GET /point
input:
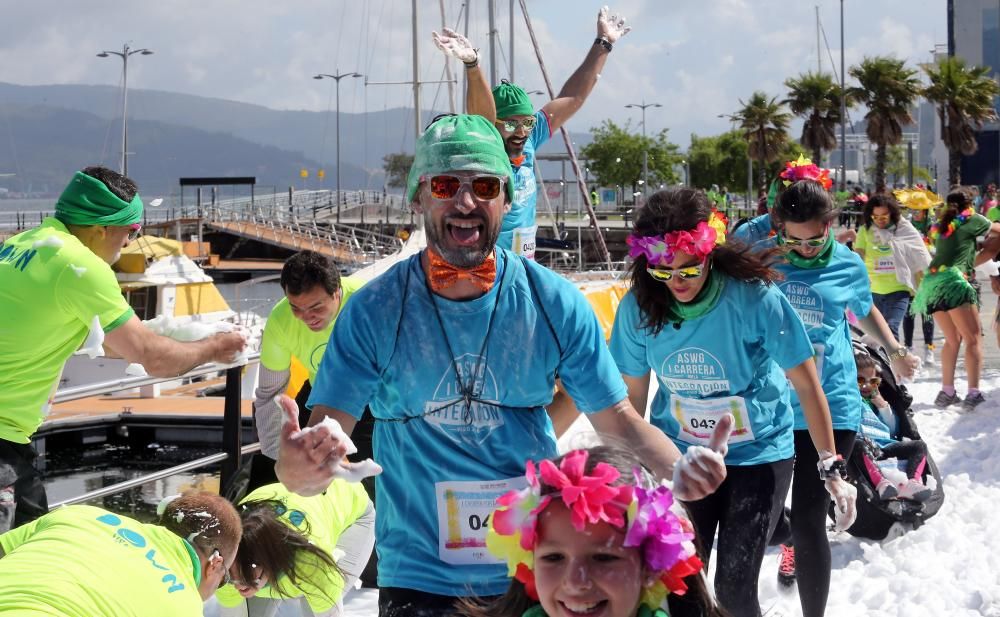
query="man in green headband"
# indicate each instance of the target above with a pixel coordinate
(456, 351)
(57, 290)
(523, 129)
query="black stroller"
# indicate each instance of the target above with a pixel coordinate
(875, 515)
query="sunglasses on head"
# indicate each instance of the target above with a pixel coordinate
(873, 382)
(134, 230)
(483, 187)
(810, 242)
(665, 274)
(512, 124)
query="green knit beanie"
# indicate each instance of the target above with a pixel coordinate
(88, 201)
(459, 143)
(511, 100)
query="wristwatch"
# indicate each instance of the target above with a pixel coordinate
(603, 42)
(832, 466)
(899, 353)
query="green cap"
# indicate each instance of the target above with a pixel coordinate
(459, 143)
(88, 201)
(511, 100)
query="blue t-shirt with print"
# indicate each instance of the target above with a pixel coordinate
(878, 426)
(821, 296)
(754, 230)
(731, 359)
(521, 218)
(446, 460)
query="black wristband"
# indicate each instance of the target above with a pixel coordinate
(603, 42)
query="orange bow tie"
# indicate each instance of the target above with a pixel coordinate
(517, 161)
(443, 275)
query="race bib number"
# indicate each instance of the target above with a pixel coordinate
(464, 510)
(697, 418)
(885, 264)
(524, 241)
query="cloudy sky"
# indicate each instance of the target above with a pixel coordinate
(695, 57)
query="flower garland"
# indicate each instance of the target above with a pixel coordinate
(664, 538)
(954, 224)
(660, 250)
(805, 169)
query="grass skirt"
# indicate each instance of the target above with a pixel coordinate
(943, 290)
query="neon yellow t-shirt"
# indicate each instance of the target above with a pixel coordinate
(993, 214)
(81, 560)
(285, 336)
(880, 263)
(326, 516)
(51, 287)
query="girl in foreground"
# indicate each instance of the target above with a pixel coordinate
(593, 535)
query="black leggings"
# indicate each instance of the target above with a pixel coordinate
(744, 510)
(810, 505)
(926, 322)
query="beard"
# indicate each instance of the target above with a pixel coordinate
(466, 257)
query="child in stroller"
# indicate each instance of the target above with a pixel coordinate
(884, 456)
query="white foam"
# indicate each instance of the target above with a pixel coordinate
(52, 241)
(94, 345)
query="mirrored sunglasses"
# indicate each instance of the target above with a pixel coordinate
(873, 382)
(881, 217)
(511, 124)
(811, 242)
(483, 187)
(665, 274)
(296, 517)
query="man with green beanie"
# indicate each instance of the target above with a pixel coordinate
(456, 351)
(57, 290)
(523, 129)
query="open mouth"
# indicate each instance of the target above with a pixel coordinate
(583, 608)
(464, 232)
(517, 143)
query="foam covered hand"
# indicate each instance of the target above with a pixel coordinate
(844, 495)
(611, 27)
(455, 45)
(906, 366)
(702, 468)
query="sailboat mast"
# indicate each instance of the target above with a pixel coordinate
(510, 57)
(416, 78)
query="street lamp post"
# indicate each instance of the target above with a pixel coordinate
(337, 76)
(124, 55)
(645, 150)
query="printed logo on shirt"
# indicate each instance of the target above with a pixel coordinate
(693, 372)
(806, 302)
(129, 537)
(524, 184)
(461, 420)
(316, 356)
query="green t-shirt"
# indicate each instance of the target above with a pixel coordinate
(959, 249)
(51, 288)
(81, 560)
(880, 263)
(326, 516)
(993, 214)
(285, 336)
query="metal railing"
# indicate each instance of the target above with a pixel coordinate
(232, 448)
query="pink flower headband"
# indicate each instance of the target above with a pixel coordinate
(660, 250)
(804, 169)
(664, 538)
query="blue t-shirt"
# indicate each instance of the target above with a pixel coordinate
(878, 426)
(447, 461)
(519, 223)
(728, 360)
(754, 230)
(821, 296)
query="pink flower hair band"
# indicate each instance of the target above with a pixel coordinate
(660, 250)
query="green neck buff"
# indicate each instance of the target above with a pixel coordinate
(87, 201)
(819, 260)
(705, 301)
(644, 611)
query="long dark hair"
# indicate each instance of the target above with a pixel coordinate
(271, 544)
(682, 209)
(958, 199)
(515, 601)
(881, 200)
(803, 202)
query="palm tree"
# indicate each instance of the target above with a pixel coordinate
(765, 127)
(964, 99)
(816, 97)
(889, 89)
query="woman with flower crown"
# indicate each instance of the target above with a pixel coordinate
(947, 293)
(593, 534)
(823, 279)
(721, 339)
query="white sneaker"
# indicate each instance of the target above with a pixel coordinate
(929, 355)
